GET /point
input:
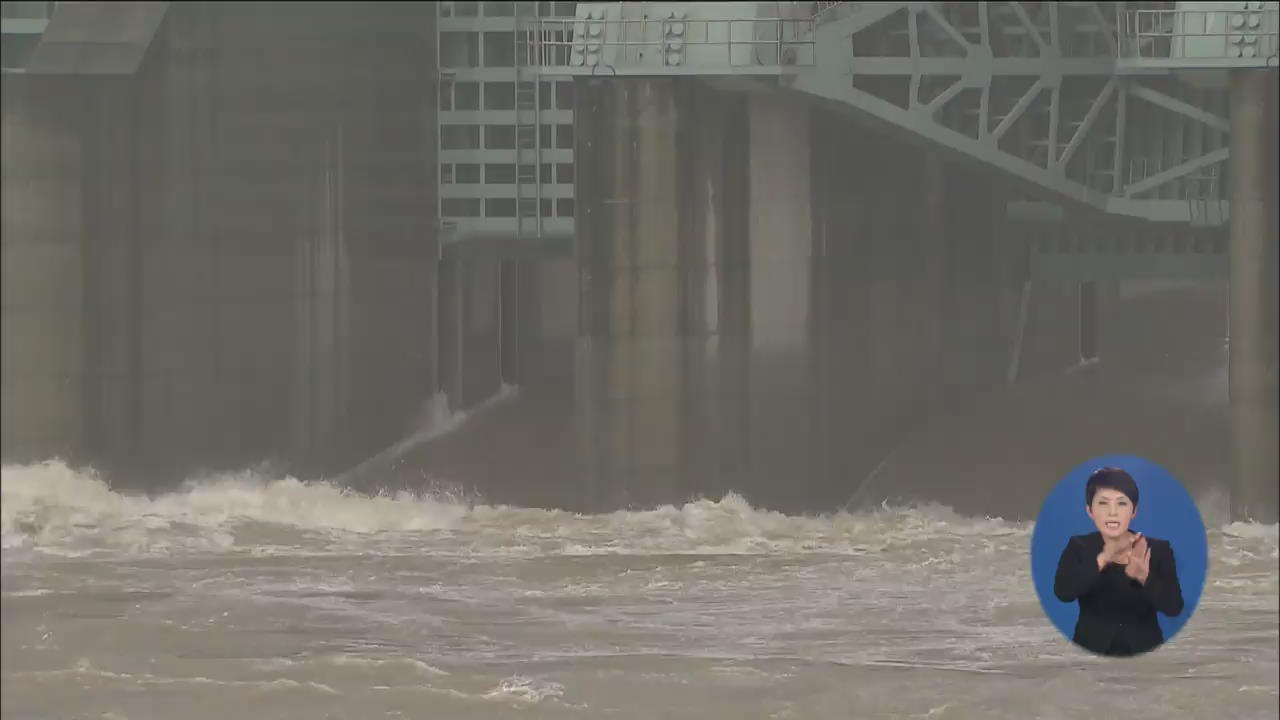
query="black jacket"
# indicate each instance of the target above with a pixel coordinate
(1117, 614)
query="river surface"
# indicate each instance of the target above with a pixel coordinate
(255, 597)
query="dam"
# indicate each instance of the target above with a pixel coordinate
(238, 233)
(634, 360)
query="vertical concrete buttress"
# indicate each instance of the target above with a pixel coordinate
(1252, 312)
(112, 272)
(224, 257)
(652, 236)
(42, 239)
(784, 419)
(322, 296)
(765, 305)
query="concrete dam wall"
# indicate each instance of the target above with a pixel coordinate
(229, 255)
(772, 295)
(796, 319)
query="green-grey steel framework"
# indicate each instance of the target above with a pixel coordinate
(1117, 106)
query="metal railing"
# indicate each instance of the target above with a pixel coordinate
(1202, 34)
(1205, 204)
(1141, 168)
(667, 42)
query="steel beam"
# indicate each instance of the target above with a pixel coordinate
(1122, 101)
(921, 126)
(1108, 30)
(1177, 171)
(982, 67)
(1031, 28)
(1019, 108)
(943, 118)
(1087, 124)
(932, 9)
(1175, 105)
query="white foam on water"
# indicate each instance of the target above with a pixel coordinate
(366, 662)
(1252, 530)
(347, 660)
(50, 505)
(53, 508)
(84, 668)
(525, 690)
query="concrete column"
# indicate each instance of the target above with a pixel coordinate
(42, 239)
(389, 181)
(629, 260)
(154, 228)
(112, 272)
(188, 344)
(715, 277)
(651, 237)
(843, 308)
(1253, 320)
(323, 319)
(784, 410)
(728, 342)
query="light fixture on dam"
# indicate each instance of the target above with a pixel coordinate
(586, 51)
(1246, 29)
(673, 38)
(595, 36)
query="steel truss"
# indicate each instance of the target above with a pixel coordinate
(1032, 89)
(1045, 92)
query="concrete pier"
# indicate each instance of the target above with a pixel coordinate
(785, 426)
(1253, 319)
(661, 273)
(759, 310)
(227, 254)
(43, 285)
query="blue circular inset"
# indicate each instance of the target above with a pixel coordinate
(1165, 511)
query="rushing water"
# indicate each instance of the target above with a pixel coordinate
(271, 598)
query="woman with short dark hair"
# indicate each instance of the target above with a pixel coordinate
(1120, 578)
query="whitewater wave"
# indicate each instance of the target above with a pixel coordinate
(49, 502)
(1252, 530)
(525, 690)
(351, 661)
(50, 507)
(83, 668)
